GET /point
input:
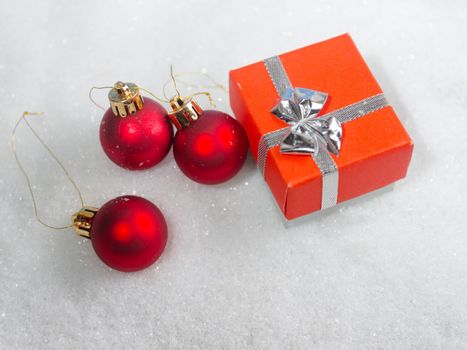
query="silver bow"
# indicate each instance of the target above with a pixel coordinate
(299, 108)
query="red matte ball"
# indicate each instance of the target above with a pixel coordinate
(138, 141)
(211, 149)
(129, 233)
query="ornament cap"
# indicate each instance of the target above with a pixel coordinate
(125, 99)
(184, 111)
(82, 221)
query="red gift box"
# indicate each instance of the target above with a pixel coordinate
(300, 158)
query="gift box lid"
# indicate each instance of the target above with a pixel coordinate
(375, 151)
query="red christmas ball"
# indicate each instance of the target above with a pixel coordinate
(138, 141)
(212, 149)
(128, 233)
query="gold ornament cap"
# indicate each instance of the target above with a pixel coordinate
(82, 221)
(125, 99)
(184, 111)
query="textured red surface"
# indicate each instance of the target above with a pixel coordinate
(137, 141)
(212, 149)
(376, 149)
(129, 233)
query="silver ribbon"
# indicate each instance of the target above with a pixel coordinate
(307, 133)
(298, 108)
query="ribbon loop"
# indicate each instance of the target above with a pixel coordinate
(299, 108)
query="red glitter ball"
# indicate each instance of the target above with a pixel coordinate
(138, 141)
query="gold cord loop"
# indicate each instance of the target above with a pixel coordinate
(92, 99)
(153, 95)
(23, 171)
(175, 77)
(205, 93)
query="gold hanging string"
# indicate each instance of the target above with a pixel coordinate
(167, 100)
(91, 98)
(172, 77)
(215, 83)
(205, 93)
(97, 88)
(173, 80)
(153, 95)
(28, 181)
